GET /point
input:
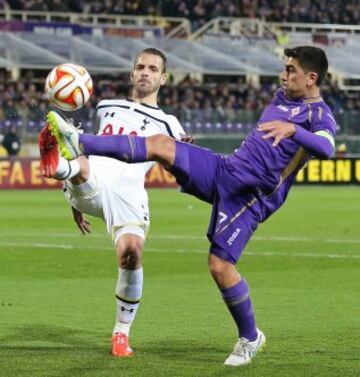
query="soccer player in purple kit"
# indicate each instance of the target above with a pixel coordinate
(244, 188)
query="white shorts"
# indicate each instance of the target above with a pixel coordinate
(120, 200)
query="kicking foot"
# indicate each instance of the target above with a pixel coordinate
(49, 154)
(66, 135)
(245, 350)
(120, 345)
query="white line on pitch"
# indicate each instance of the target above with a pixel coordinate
(251, 253)
(184, 237)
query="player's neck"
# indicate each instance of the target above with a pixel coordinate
(313, 92)
(150, 100)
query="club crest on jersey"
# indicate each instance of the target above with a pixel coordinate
(145, 123)
(295, 111)
(282, 108)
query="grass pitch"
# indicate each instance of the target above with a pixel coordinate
(57, 290)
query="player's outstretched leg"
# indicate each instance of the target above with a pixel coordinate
(125, 148)
(52, 165)
(66, 135)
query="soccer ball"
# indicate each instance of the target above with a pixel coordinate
(68, 86)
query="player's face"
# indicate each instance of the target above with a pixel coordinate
(296, 83)
(148, 76)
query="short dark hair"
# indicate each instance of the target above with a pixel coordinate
(310, 58)
(154, 51)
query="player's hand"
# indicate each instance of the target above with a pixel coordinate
(188, 139)
(81, 222)
(278, 130)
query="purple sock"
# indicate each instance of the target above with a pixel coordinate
(122, 147)
(237, 299)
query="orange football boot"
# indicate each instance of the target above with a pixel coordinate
(120, 345)
(49, 155)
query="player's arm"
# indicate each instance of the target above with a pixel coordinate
(320, 143)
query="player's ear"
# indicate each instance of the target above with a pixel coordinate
(131, 75)
(312, 78)
(163, 79)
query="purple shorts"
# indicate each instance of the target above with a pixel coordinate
(235, 210)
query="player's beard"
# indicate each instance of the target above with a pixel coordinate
(145, 91)
(291, 94)
(294, 91)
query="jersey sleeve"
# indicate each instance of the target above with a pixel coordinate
(323, 121)
(176, 128)
(320, 143)
(320, 139)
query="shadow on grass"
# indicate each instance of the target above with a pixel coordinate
(43, 350)
(42, 337)
(52, 351)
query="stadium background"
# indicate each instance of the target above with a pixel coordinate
(224, 60)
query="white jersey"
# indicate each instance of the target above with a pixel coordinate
(125, 117)
(115, 190)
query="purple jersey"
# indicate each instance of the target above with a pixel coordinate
(252, 183)
(271, 166)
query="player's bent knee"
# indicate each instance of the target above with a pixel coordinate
(129, 251)
(130, 258)
(219, 268)
(130, 261)
(223, 272)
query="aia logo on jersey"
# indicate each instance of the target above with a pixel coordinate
(109, 130)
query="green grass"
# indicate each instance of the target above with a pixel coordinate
(57, 290)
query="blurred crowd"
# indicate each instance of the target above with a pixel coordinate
(202, 108)
(237, 101)
(201, 11)
(189, 100)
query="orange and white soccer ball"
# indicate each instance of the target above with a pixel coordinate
(68, 86)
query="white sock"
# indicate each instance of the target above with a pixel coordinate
(128, 295)
(67, 169)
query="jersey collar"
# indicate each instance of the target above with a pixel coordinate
(144, 104)
(313, 99)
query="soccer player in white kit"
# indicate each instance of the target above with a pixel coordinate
(114, 190)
